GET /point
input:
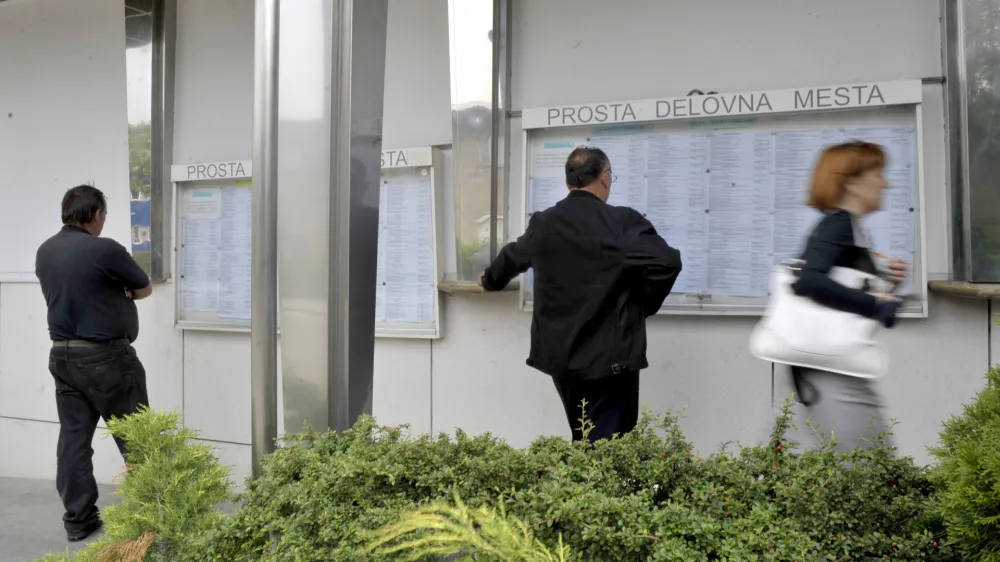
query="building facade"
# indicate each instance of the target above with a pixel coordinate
(67, 107)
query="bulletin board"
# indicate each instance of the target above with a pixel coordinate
(213, 266)
(406, 296)
(213, 254)
(724, 178)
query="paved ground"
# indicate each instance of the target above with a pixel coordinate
(31, 519)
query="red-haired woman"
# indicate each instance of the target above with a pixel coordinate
(847, 185)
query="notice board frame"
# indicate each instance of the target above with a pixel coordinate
(187, 176)
(725, 110)
(428, 158)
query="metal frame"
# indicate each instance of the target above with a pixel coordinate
(961, 194)
(422, 157)
(956, 113)
(180, 181)
(914, 102)
(495, 125)
(508, 6)
(162, 142)
(264, 236)
(357, 84)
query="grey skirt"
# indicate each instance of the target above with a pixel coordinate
(829, 405)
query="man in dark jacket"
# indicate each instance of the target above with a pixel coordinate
(599, 272)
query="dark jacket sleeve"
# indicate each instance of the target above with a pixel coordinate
(120, 266)
(513, 260)
(657, 264)
(827, 244)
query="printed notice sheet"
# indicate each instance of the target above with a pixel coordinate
(235, 253)
(732, 201)
(200, 244)
(406, 284)
(216, 259)
(215, 263)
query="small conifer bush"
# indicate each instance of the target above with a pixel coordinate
(968, 475)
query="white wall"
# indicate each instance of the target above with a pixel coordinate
(417, 113)
(650, 48)
(62, 122)
(60, 76)
(475, 377)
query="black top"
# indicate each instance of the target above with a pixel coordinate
(84, 279)
(599, 271)
(832, 244)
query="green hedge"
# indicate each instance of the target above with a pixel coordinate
(645, 496)
(377, 494)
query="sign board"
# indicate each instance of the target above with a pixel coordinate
(213, 206)
(826, 98)
(724, 178)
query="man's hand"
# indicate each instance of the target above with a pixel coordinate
(139, 294)
(480, 280)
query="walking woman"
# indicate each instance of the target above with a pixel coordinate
(847, 185)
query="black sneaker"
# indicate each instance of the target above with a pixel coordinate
(77, 536)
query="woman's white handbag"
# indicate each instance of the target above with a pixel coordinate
(798, 331)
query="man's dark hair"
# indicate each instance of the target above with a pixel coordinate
(81, 203)
(584, 165)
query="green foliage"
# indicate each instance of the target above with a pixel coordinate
(645, 496)
(139, 148)
(170, 494)
(968, 474)
(174, 487)
(472, 259)
(441, 529)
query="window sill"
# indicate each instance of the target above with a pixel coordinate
(967, 290)
(471, 287)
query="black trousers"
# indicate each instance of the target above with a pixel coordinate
(612, 404)
(91, 383)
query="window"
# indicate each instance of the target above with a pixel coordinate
(981, 42)
(139, 77)
(147, 84)
(479, 127)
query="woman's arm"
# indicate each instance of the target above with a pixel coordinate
(832, 237)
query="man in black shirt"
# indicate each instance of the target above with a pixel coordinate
(599, 272)
(90, 285)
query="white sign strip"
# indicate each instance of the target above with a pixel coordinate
(204, 171)
(211, 171)
(406, 158)
(826, 98)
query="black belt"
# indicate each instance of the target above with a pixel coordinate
(90, 344)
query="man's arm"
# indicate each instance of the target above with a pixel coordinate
(119, 265)
(513, 260)
(657, 263)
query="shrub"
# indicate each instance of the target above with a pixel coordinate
(645, 496)
(968, 474)
(451, 530)
(170, 493)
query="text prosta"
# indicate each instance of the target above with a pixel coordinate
(394, 158)
(584, 114)
(216, 171)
